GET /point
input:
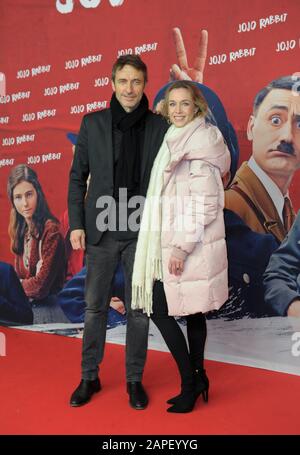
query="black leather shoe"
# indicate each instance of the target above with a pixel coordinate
(137, 396)
(84, 392)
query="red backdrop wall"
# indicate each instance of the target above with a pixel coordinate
(57, 67)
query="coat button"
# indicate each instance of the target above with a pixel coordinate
(246, 278)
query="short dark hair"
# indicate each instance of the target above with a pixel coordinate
(132, 60)
(285, 83)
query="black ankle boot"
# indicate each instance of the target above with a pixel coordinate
(185, 402)
(201, 386)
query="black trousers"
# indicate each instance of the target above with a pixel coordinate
(187, 359)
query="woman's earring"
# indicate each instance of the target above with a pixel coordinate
(168, 120)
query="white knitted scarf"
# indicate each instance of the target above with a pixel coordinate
(148, 262)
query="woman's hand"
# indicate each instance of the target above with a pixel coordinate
(117, 305)
(175, 266)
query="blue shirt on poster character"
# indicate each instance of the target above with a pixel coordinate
(15, 308)
(282, 275)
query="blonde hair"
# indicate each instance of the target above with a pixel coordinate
(197, 96)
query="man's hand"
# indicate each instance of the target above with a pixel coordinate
(175, 266)
(294, 309)
(182, 71)
(77, 239)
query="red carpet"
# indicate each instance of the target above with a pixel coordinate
(40, 371)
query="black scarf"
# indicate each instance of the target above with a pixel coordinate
(128, 167)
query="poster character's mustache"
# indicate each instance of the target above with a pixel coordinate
(286, 147)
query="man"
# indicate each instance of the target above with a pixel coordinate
(117, 146)
(282, 276)
(259, 192)
(71, 297)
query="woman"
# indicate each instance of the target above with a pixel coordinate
(182, 238)
(37, 243)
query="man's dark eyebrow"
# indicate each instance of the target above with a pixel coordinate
(124, 79)
(284, 108)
